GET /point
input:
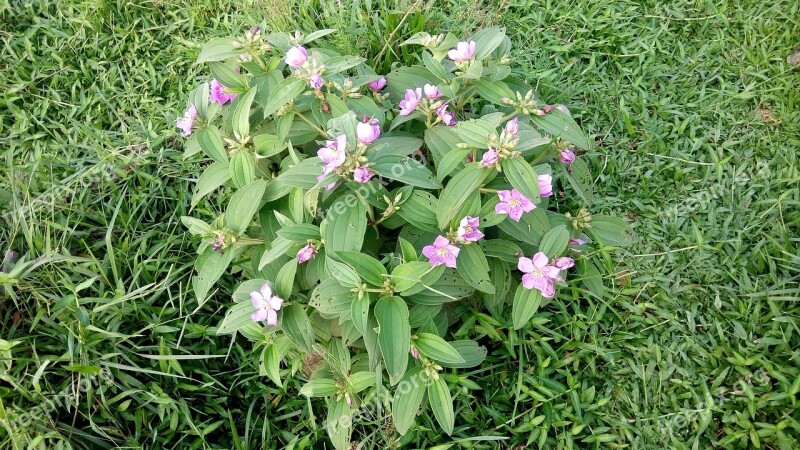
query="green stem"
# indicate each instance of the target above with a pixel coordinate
(313, 125)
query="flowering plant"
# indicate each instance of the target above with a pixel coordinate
(370, 212)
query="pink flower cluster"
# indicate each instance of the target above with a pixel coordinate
(186, 123)
(442, 251)
(413, 98)
(540, 274)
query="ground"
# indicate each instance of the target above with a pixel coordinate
(693, 107)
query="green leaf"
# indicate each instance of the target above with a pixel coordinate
(242, 169)
(611, 230)
(526, 303)
(240, 117)
(287, 90)
(370, 269)
(474, 269)
(442, 404)
(407, 400)
(437, 348)
(211, 142)
(530, 228)
(243, 205)
(320, 387)
(300, 232)
(494, 91)
(554, 242)
(457, 191)
(218, 49)
(472, 354)
(420, 211)
(338, 424)
(311, 37)
(272, 357)
(407, 250)
(210, 266)
(504, 250)
(406, 170)
(237, 317)
(522, 177)
(434, 65)
(341, 272)
(394, 335)
(331, 299)
(267, 145)
(475, 132)
(487, 40)
(215, 175)
(415, 274)
(278, 248)
(346, 226)
(359, 310)
(228, 77)
(285, 280)
(560, 124)
(361, 380)
(303, 174)
(394, 145)
(450, 161)
(297, 326)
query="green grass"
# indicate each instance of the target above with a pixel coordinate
(694, 113)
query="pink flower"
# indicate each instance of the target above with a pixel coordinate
(490, 158)
(514, 204)
(377, 85)
(447, 117)
(362, 174)
(414, 352)
(431, 91)
(306, 253)
(296, 56)
(464, 51)
(564, 263)
(538, 274)
(186, 123)
(315, 81)
(545, 185)
(266, 304)
(567, 156)
(367, 131)
(411, 101)
(441, 252)
(332, 154)
(218, 94)
(576, 241)
(512, 126)
(468, 229)
(253, 32)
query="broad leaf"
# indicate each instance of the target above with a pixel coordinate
(394, 335)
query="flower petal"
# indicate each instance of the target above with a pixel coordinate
(540, 260)
(525, 265)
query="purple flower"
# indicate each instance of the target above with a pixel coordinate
(468, 229)
(218, 94)
(490, 158)
(514, 204)
(306, 253)
(186, 123)
(576, 241)
(414, 352)
(431, 91)
(411, 101)
(332, 154)
(512, 126)
(567, 156)
(253, 32)
(315, 81)
(362, 174)
(441, 252)
(266, 304)
(564, 263)
(296, 56)
(538, 274)
(447, 117)
(377, 85)
(367, 131)
(545, 185)
(464, 51)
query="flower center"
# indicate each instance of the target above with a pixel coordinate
(441, 252)
(514, 203)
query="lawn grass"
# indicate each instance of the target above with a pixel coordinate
(694, 113)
